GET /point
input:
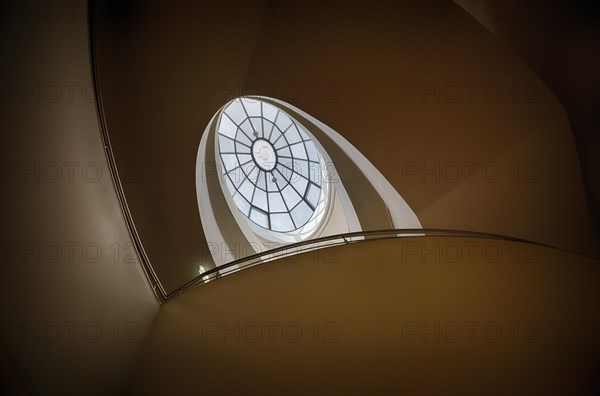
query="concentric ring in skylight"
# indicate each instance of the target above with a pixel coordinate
(271, 166)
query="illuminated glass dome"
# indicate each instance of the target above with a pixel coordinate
(269, 174)
(271, 167)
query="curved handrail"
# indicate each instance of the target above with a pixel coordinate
(341, 239)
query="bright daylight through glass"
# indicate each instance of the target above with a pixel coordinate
(271, 167)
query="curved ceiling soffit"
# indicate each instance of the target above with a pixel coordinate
(367, 200)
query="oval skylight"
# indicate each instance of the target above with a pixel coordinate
(270, 165)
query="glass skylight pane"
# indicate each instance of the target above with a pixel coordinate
(226, 145)
(259, 218)
(283, 121)
(252, 107)
(280, 143)
(269, 111)
(241, 203)
(227, 127)
(240, 148)
(246, 189)
(302, 132)
(290, 196)
(292, 135)
(230, 161)
(287, 163)
(268, 127)
(301, 167)
(243, 158)
(257, 123)
(236, 112)
(285, 152)
(237, 176)
(299, 183)
(275, 134)
(245, 133)
(230, 186)
(260, 199)
(301, 214)
(248, 165)
(261, 181)
(271, 185)
(315, 171)
(281, 222)
(281, 180)
(276, 203)
(252, 172)
(287, 173)
(298, 151)
(312, 151)
(313, 195)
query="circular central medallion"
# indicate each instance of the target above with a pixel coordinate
(264, 154)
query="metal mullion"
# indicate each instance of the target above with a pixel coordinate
(283, 135)
(231, 119)
(234, 140)
(239, 127)
(248, 117)
(252, 199)
(271, 131)
(242, 182)
(267, 195)
(288, 210)
(286, 182)
(237, 191)
(305, 198)
(238, 166)
(305, 178)
(297, 192)
(262, 120)
(274, 124)
(287, 207)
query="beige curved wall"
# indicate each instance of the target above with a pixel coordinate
(431, 315)
(557, 40)
(68, 268)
